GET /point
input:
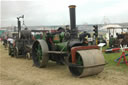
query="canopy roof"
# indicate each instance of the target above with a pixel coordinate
(111, 27)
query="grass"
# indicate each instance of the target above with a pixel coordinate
(111, 64)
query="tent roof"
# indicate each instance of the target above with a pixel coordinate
(111, 26)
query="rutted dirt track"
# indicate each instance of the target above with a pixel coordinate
(17, 71)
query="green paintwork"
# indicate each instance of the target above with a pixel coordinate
(62, 46)
(44, 36)
(79, 61)
(56, 38)
(37, 36)
(62, 35)
(39, 52)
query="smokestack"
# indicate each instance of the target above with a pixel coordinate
(72, 17)
(19, 27)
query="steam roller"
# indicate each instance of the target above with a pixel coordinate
(65, 47)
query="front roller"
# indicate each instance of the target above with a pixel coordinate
(39, 53)
(87, 62)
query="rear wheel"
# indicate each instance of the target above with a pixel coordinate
(39, 53)
(11, 50)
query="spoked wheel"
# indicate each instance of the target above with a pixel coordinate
(11, 52)
(88, 62)
(39, 53)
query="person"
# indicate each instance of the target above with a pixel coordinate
(5, 42)
(84, 37)
(67, 28)
(60, 29)
(111, 41)
(1, 39)
(10, 42)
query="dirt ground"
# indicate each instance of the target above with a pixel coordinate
(17, 71)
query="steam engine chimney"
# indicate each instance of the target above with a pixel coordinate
(72, 16)
(73, 22)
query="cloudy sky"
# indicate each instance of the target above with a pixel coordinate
(56, 12)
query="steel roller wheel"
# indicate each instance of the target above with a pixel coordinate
(76, 71)
(39, 53)
(88, 62)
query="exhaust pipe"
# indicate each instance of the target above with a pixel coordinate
(72, 16)
(19, 26)
(73, 21)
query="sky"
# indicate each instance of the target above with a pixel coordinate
(56, 12)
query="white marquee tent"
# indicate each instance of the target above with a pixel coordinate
(112, 30)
